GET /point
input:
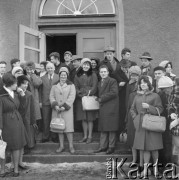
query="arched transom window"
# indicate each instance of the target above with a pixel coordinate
(76, 7)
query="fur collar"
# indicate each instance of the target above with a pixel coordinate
(139, 92)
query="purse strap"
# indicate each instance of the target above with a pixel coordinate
(89, 92)
(158, 111)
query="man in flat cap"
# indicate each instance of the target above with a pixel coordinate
(68, 58)
(76, 61)
(119, 71)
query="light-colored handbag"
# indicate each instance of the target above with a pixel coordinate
(90, 103)
(3, 145)
(57, 123)
(154, 123)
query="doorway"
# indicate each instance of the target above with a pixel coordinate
(60, 44)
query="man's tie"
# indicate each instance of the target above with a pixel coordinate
(50, 80)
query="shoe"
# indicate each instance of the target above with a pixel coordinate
(110, 151)
(83, 140)
(14, 174)
(89, 140)
(59, 150)
(72, 150)
(45, 140)
(23, 167)
(4, 174)
(100, 150)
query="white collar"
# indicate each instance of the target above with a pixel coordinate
(10, 92)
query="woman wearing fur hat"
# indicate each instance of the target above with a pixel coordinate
(86, 83)
(169, 67)
(131, 91)
(62, 96)
(170, 101)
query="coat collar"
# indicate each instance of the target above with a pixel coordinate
(146, 93)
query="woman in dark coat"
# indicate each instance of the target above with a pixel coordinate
(109, 111)
(131, 92)
(146, 141)
(11, 124)
(86, 84)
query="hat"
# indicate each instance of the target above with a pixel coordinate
(109, 48)
(125, 63)
(164, 63)
(146, 55)
(76, 57)
(135, 70)
(85, 60)
(165, 82)
(64, 69)
(30, 64)
(15, 69)
(68, 52)
(159, 68)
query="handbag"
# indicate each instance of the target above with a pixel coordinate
(154, 123)
(57, 123)
(90, 103)
(123, 137)
(3, 145)
(175, 130)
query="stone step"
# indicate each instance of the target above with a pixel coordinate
(67, 157)
(46, 148)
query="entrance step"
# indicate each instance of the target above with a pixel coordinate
(46, 148)
(67, 157)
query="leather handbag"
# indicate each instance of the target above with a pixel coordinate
(90, 103)
(3, 145)
(57, 123)
(154, 123)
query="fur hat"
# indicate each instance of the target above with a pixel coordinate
(85, 60)
(15, 69)
(165, 82)
(163, 63)
(64, 69)
(135, 70)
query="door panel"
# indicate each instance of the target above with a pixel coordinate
(92, 43)
(31, 45)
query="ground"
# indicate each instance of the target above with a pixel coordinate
(66, 171)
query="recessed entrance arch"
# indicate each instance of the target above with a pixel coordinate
(86, 28)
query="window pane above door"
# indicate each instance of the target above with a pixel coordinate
(76, 7)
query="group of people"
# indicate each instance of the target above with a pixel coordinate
(125, 92)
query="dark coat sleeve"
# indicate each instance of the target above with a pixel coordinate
(93, 90)
(113, 92)
(1, 118)
(32, 110)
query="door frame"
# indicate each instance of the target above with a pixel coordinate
(76, 30)
(38, 23)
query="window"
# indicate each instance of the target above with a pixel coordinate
(76, 7)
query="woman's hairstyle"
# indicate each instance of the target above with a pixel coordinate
(97, 60)
(81, 71)
(168, 64)
(8, 80)
(146, 80)
(103, 66)
(21, 80)
(44, 63)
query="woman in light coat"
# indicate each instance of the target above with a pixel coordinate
(62, 97)
(146, 141)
